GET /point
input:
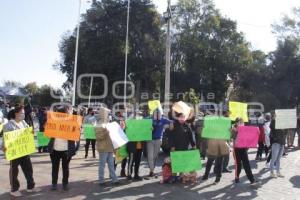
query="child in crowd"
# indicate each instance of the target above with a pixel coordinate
(167, 171)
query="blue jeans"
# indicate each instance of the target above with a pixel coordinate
(108, 158)
(277, 151)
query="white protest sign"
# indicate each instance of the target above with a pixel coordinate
(286, 119)
(117, 135)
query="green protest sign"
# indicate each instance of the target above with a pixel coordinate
(139, 130)
(42, 139)
(216, 128)
(19, 143)
(185, 161)
(123, 151)
(89, 131)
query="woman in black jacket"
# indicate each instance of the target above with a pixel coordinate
(181, 136)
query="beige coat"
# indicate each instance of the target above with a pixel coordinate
(217, 148)
(104, 143)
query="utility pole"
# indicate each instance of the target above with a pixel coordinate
(76, 57)
(126, 59)
(168, 17)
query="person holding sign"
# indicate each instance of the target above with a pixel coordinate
(153, 146)
(90, 119)
(278, 138)
(241, 155)
(181, 136)
(105, 149)
(61, 150)
(17, 122)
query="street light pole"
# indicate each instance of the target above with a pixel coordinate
(168, 55)
(126, 59)
(76, 56)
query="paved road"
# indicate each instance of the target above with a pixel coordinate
(84, 173)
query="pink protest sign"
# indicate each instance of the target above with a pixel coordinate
(247, 137)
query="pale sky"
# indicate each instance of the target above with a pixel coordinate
(31, 31)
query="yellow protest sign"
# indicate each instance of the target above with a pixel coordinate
(153, 105)
(238, 109)
(19, 143)
(64, 126)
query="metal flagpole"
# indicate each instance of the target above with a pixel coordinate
(91, 87)
(168, 57)
(126, 59)
(76, 56)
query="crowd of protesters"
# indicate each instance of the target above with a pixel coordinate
(174, 132)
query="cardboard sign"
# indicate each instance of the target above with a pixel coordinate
(216, 128)
(42, 139)
(117, 135)
(238, 109)
(185, 161)
(19, 143)
(286, 119)
(62, 125)
(139, 130)
(153, 105)
(247, 137)
(89, 131)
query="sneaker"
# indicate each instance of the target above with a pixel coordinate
(226, 171)
(137, 178)
(16, 194)
(102, 184)
(254, 183)
(151, 174)
(54, 187)
(117, 183)
(129, 177)
(280, 175)
(272, 175)
(204, 178)
(32, 190)
(267, 166)
(217, 181)
(65, 187)
(236, 180)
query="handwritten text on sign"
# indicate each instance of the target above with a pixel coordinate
(64, 126)
(19, 143)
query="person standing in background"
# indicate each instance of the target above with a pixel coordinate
(91, 120)
(42, 117)
(28, 112)
(278, 138)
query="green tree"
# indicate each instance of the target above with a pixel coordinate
(31, 88)
(102, 44)
(207, 49)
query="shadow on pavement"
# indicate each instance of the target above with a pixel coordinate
(295, 180)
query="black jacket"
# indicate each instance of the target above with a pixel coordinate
(181, 137)
(276, 135)
(72, 147)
